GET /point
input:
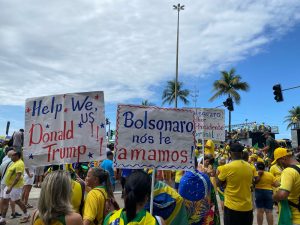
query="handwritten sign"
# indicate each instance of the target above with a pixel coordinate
(65, 128)
(154, 138)
(209, 124)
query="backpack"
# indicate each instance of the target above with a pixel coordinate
(110, 205)
(297, 206)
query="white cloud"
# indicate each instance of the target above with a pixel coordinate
(127, 47)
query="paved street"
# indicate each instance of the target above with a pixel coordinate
(34, 195)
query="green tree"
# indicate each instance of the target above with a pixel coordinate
(229, 84)
(147, 103)
(168, 95)
(293, 118)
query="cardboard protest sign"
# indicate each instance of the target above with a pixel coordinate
(154, 138)
(65, 128)
(209, 124)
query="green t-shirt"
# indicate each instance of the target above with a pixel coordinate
(272, 146)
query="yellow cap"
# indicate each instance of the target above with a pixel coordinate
(279, 153)
(260, 159)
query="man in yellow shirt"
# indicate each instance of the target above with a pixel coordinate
(238, 176)
(290, 181)
(14, 183)
(276, 171)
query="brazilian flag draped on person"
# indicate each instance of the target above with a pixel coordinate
(168, 204)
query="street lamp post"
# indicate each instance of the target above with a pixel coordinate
(177, 7)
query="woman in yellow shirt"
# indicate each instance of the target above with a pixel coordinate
(93, 210)
(264, 194)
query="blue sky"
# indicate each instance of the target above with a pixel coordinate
(47, 50)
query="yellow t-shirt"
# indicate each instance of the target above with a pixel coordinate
(276, 171)
(290, 181)
(266, 181)
(16, 167)
(210, 149)
(94, 206)
(178, 176)
(238, 175)
(219, 168)
(76, 196)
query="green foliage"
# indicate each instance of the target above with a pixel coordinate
(169, 93)
(229, 85)
(293, 117)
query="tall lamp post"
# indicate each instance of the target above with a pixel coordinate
(177, 7)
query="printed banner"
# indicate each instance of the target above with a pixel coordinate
(154, 137)
(65, 128)
(209, 124)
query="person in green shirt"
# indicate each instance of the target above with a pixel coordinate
(271, 145)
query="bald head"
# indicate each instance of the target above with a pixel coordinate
(10, 153)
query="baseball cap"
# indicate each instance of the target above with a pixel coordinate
(279, 153)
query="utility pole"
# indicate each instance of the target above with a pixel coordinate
(177, 7)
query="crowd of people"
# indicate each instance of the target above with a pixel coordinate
(239, 178)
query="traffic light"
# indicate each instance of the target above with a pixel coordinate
(278, 93)
(229, 104)
(111, 133)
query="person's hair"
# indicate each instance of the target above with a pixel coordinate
(103, 177)
(137, 188)
(109, 153)
(260, 166)
(55, 196)
(22, 130)
(7, 149)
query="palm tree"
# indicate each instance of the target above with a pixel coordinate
(147, 103)
(229, 85)
(169, 93)
(293, 118)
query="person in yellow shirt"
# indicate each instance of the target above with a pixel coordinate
(14, 184)
(77, 196)
(263, 194)
(98, 180)
(209, 148)
(238, 176)
(290, 181)
(253, 159)
(276, 171)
